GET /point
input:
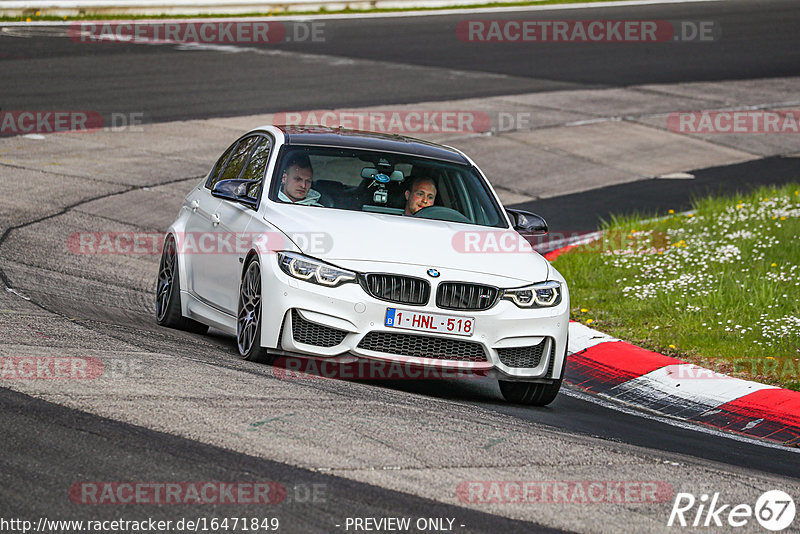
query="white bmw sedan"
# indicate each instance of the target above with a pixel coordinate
(332, 244)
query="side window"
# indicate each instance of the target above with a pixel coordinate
(256, 167)
(235, 165)
(214, 178)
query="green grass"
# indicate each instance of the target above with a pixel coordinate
(718, 286)
(32, 15)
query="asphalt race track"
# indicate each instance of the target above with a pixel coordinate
(177, 407)
(402, 60)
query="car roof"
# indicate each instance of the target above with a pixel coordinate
(342, 138)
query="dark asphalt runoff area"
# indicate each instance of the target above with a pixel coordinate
(47, 447)
(73, 446)
(587, 211)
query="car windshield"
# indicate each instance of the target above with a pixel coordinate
(380, 182)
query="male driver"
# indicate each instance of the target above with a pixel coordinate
(420, 195)
(296, 182)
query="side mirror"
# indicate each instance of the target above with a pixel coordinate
(527, 223)
(235, 190)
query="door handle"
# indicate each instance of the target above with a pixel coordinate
(215, 219)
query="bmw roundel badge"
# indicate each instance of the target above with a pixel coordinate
(433, 273)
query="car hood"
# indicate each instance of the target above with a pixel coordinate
(351, 238)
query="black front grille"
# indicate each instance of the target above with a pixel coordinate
(423, 346)
(315, 334)
(464, 296)
(523, 357)
(397, 288)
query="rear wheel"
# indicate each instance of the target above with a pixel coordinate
(168, 293)
(530, 393)
(248, 317)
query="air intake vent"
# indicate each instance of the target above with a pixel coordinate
(552, 362)
(523, 357)
(315, 334)
(423, 346)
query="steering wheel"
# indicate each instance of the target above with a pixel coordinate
(441, 213)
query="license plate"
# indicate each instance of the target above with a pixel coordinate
(429, 322)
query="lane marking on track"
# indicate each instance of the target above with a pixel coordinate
(17, 293)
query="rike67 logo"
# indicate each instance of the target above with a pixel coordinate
(774, 510)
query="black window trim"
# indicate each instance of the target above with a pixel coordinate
(271, 140)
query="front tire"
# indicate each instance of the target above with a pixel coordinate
(530, 393)
(248, 316)
(168, 293)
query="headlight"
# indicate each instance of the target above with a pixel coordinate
(312, 270)
(541, 295)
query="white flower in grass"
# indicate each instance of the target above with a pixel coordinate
(741, 234)
(781, 328)
(727, 254)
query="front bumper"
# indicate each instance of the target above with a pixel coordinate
(508, 342)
